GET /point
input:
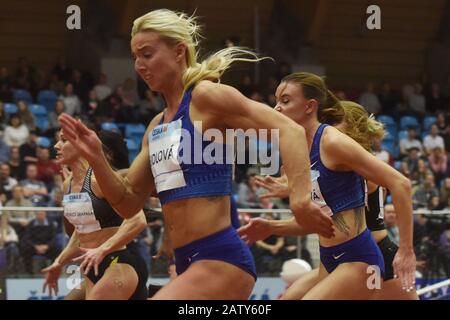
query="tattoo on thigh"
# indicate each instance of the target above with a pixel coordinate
(340, 224)
(118, 282)
(214, 199)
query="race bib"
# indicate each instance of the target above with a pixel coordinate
(79, 211)
(316, 194)
(164, 145)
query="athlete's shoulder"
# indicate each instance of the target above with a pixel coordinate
(150, 127)
(330, 136)
(208, 91)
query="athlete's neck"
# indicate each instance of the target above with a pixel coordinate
(172, 96)
(311, 129)
(79, 169)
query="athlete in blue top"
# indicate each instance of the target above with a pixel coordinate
(211, 260)
(338, 166)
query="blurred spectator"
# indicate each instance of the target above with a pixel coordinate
(56, 85)
(130, 96)
(72, 103)
(81, 85)
(4, 151)
(3, 116)
(156, 225)
(420, 174)
(16, 133)
(409, 142)
(438, 163)
(16, 165)
(404, 169)
(39, 243)
(25, 115)
(441, 123)
(102, 90)
(433, 140)
(143, 245)
(434, 204)
(248, 192)
(417, 101)
(412, 159)
(92, 103)
(425, 192)
(29, 148)
(435, 100)
(6, 180)
(5, 85)
(109, 108)
(56, 200)
(446, 137)
(34, 189)
(390, 220)
(61, 70)
(151, 106)
(268, 252)
(402, 107)
(11, 242)
(53, 116)
(24, 75)
(19, 219)
(381, 154)
(388, 99)
(369, 100)
(445, 191)
(46, 167)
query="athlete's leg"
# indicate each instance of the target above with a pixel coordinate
(77, 294)
(301, 286)
(118, 283)
(347, 281)
(208, 280)
(392, 290)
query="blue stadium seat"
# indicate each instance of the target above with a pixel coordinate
(391, 133)
(10, 108)
(44, 142)
(389, 146)
(389, 124)
(427, 122)
(110, 126)
(386, 120)
(47, 98)
(135, 132)
(133, 149)
(402, 135)
(409, 121)
(42, 123)
(24, 95)
(38, 110)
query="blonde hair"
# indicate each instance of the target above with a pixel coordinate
(360, 126)
(178, 27)
(329, 110)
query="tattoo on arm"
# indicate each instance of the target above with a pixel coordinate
(340, 224)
